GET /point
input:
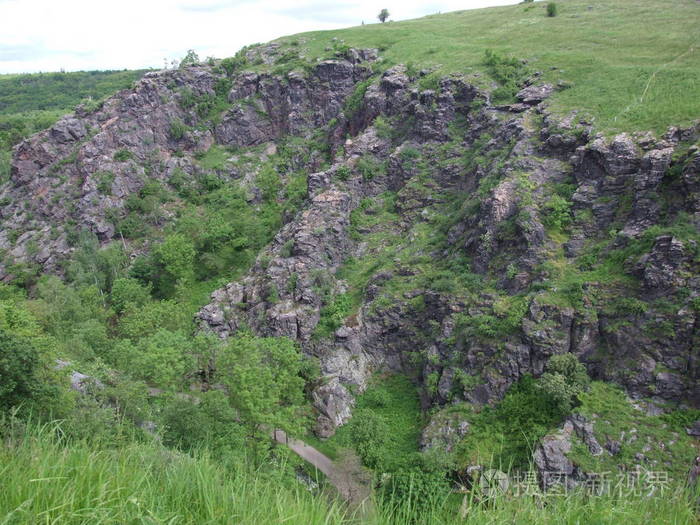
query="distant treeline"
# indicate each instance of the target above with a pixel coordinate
(59, 91)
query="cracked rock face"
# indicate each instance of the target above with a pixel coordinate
(56, 174)
(444, 431)
(551, 455)
(510, 164)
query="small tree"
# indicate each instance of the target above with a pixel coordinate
(263, 378)
(564, 380)
(383, 15)
(190, 59)
(19, 361)
(551, 9)
(177, 254)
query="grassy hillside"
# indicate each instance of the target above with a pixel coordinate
(633, 64)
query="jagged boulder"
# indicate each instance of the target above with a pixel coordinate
(445, 430)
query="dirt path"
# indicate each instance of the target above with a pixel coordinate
(347, 476)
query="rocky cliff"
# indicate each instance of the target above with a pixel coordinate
(442, 236)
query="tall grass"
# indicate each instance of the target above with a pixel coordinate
(675, 506)
(45, 479)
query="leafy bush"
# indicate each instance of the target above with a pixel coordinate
(5, 165)
(211, 423)
(127, 291)
(507, 316)
(105, 179)
(19, 363)
(176, 255)
(264, 382)
(137, 323)
(230, 64)
(551, 9)
(370, 167)
(384, 129)
(177, 129)
(222, 87)
(123, 155)
(333, 315)
(564, 381)
(190, 59)
(369, 433)
(187, 98)
(431, 81)
(385, 425)
(509, 72)
(343, 173)
(161, 359)
(556, 212)
(269, 183)
(354, 101)
(505, 435)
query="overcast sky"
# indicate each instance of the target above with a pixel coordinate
(49, 35)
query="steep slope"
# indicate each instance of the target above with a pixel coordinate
(97, 160)
(518, 208)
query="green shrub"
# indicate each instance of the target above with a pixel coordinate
(123, 155)
(222, 87)
(190, 59)
(509, 72)
(264, 384)
(551, 9)
(105, 179)
(564, 381)
(507, 316)
(128, 291)
(333, 315)
(187, 98)
(370, 167)
(5, 165)
(343, 173)
(556, 213)
(504, 435)
(431, 81)
(161, 359)
(230, 64)
(178, 129)
(369, 432)
(211, 423)
(354, 101)
(19, 366)
(384, 129)
(269, 183)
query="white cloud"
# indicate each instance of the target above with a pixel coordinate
(48, 35)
